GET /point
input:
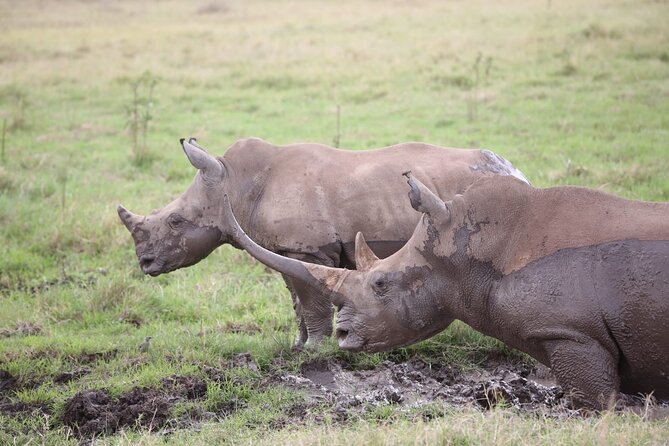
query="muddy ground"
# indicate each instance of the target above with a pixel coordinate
(332, 390)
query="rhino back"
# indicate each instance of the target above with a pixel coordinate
(516, 224)
(315, 195)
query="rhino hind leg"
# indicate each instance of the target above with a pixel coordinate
(587, 372)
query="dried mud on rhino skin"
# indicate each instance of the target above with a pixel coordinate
(95, 412)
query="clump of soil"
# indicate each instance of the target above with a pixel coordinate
(14, 408)
(187, 387)
(95, 412)
(91, 357)
(131, 318)
(7, 381)
(66, 377)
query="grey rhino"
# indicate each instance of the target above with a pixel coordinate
(305, 201)
(576, 278)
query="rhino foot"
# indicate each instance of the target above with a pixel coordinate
(302, 335)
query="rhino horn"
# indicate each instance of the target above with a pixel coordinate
(129, 219)
(424, 200)
(364, 256)
(212, 170)
(319, 276)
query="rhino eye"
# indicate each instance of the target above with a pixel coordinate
(175, 221)
(380, 285)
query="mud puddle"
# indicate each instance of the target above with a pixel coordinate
(415, 383)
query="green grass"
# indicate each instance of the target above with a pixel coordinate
(572, 92)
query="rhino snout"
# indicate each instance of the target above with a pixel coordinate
(150, 266)
(347, 338)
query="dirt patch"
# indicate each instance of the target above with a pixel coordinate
(414, 383)
(95, 412)
(334, 392)
(131, 318)
(7, 381)
(91, 357)
(66, 377)
(188, 387)
(21, 408)
(22, 328)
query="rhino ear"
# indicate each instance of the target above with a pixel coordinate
(212, 170)
(424, 200)
(364, 256)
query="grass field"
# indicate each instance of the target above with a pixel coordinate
(94, 96)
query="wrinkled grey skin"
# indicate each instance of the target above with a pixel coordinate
(305, 201)
(576, 278)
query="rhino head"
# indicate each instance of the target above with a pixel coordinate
(186, 230)
(384, 303)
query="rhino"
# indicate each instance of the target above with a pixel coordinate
(576, 278)
(305, 201)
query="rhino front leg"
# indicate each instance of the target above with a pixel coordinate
(317, 314)
(313, 310)
(302, 335)
(587, 372)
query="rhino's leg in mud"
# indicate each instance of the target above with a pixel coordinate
(302, 335)
(314, 311)
(587, 372)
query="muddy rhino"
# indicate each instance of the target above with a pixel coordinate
(305, 201)
(576, 278)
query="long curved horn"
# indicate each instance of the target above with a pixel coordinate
(129, 219)
(318, 276)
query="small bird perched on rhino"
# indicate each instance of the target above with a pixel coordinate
(576, 278)
(305, 201)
